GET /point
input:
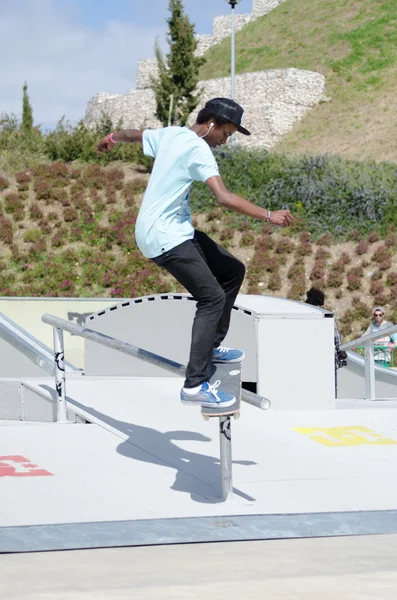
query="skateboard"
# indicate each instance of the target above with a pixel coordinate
(229, 374)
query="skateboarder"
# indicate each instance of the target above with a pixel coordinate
(164, 233)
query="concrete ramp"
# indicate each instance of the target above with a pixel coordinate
(351, 379)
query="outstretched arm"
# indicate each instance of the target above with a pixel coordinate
(128, 136)
(282, 218)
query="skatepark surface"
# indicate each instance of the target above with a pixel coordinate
(125, 500)
(343, 568)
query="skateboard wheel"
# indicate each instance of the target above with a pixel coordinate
(206, 418)
(236, 415)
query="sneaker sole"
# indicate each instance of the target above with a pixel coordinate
(225, 404)
(191, 402)
(234, 360)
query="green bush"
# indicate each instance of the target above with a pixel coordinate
(66, 143)
(331, 194)
(32, 235)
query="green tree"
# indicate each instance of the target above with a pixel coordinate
(27, 112)
(178, 72)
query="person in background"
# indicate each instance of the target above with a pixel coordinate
(316, 297)
(387, 341)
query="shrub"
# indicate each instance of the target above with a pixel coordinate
(52, 215)
(343, 260)
(322, 254)
(264, 242)
(345, 330)
(297, 289)
(12, 203)
(6, 232)
(32, 235)
(226, 233)
(391, 279)
(325, 240)
(284, 246)
(4, 184)
(318, 271)
(94, 176)
(247, 238)
(115, 177)
(385, 264)
(70, 214)
(111, 194)
(304, 249)
(380, 296)
(354, 235)
(376, 275)
(270, 264)
(296, 270)
(373, 237)
(362, 247)
(381, 254)
(335, 279)
(391, 240)
(305, 237)
(45, 226)
(353, 282)
(23, 177)
(139, 184)
(274, 282)
(361, 310)
(42, 188)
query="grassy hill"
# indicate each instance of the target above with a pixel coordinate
(354, 44)
(68, 230)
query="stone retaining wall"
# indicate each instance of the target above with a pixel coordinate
(273, 101)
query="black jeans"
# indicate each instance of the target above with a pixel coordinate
(213, 277)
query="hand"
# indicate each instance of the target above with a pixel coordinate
(282, 218)
(105, 145)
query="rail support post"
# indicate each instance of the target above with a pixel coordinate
(369, 367)
(225, 439)
(60, 386)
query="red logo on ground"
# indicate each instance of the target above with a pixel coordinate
(19, 466)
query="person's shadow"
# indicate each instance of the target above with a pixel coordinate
(196, 474)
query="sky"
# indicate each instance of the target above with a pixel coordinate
(68, 50)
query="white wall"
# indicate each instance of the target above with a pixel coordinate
(27, 312)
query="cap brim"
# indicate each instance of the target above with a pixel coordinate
(243, 130)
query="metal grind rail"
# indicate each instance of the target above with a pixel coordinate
(61, 325)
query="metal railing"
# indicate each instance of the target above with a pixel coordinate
(367, 341)
(384, 355)
(37, 352)
(60, 325)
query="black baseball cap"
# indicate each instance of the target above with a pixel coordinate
(228, 109)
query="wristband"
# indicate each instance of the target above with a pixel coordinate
(111, 138)
(268, 216)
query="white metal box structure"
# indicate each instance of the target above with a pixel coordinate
(289, 345)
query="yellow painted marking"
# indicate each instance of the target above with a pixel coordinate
(346, 436)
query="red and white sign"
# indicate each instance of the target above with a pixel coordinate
(19, 466)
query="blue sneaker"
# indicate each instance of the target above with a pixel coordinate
(208, 396)
(227, 355)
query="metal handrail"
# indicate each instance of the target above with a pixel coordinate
(37, 352)
(361, 341)
(149, 357)
(369, 362)
(59, 325)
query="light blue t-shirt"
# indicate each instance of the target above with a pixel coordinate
(181, 157)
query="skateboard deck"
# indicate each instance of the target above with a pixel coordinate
(229, 374)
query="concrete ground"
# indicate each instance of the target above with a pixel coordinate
(344, 568)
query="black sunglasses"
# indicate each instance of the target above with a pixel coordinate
(378, 314)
